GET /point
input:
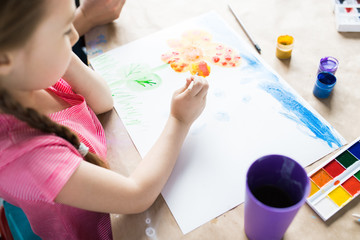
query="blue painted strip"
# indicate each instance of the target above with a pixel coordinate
(293, 109)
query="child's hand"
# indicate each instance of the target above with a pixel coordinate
(92, 13)
(187, 104)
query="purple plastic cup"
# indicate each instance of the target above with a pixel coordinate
(276, 188)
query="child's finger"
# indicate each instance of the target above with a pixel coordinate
(186, 86)
(204, 90)
(195, 87)
(200, 87)
(189, 81)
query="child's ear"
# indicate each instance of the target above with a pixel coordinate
(6, 63)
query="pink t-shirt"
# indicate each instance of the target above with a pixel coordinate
(34, 166)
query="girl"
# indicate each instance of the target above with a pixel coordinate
(47, 129)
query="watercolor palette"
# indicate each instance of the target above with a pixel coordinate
(347, 13)
(336, 182)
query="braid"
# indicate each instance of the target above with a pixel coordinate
(43, 123)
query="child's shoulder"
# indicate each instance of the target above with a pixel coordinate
(22, 142)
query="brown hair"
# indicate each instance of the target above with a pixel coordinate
(18, 20)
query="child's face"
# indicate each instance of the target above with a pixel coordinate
(46, 56)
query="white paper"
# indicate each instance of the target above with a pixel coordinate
(250, 112)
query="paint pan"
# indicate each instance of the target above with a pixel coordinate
(336, 182)
(347, 13)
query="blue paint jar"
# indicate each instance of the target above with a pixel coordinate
(324, 84)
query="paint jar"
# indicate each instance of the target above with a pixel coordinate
(328, 64)
(284, 46)
(324, 84)
(276, 188)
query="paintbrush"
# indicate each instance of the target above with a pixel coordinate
(191, 85)
(357, 216)
(192, 82)
(258, 49)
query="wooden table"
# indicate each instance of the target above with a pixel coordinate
(312, 24)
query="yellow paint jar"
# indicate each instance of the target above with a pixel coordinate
(284, 46)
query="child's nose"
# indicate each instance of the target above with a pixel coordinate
(74, 36)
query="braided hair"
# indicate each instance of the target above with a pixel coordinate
(43, 123)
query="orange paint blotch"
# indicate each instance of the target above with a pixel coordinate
(227, 57)
(196, 46)
(336, 182)
(191, 54)
(173, 60)
(216, 59)
(178, 67)
(200, 68)
(204, 69)
(321, 177)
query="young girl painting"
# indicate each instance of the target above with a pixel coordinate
(52, 146)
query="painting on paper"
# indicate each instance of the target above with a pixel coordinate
(250, 112)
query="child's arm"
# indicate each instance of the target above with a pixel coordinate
(97, 189)
(90, 85)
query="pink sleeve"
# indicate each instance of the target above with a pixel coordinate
(63, 86)
(44, 169)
